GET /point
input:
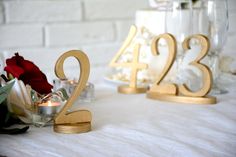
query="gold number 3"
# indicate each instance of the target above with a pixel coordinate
(77, 121)
(207, 75)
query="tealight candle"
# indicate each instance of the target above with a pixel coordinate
(48, 108)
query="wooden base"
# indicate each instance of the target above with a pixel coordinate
(129, 90)
(72, 128)
(182, 99)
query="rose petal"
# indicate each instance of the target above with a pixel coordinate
(41, 87)
(29, 66)
(14, 70)
(29, 73)
(33, 75)
(11, 61)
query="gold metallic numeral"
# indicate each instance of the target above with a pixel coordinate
(135, 65)
(77, 121)
(128, 40)
(171, 42)
(169, 92)
(207, 75)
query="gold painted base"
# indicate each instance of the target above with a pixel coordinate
(72, 128)
(182, 99)
(129, 90)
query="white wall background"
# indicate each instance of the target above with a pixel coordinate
(41, 30)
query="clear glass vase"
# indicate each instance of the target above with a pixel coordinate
(187, 17)
(184, 18)
(218, 30)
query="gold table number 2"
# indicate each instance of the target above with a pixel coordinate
(181, 93)
(135, 65)
(76, 121)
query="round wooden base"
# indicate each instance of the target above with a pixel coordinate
(182, 99)
(129, 90)
(72, 128)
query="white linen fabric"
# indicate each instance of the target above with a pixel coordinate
(134, 126)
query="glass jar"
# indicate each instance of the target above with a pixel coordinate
(187, 17)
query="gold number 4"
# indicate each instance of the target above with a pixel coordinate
(169, 91)
(77, 121)
(135, 65)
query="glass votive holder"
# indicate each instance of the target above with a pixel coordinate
(87, 95)
(41, 120)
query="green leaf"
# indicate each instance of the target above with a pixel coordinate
(5, 90)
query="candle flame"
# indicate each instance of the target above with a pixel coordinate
(49, 103)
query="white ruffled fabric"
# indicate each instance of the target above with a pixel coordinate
(134, 126)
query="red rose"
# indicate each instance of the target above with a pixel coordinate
(29, 73)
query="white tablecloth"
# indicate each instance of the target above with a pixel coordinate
(134, 126)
